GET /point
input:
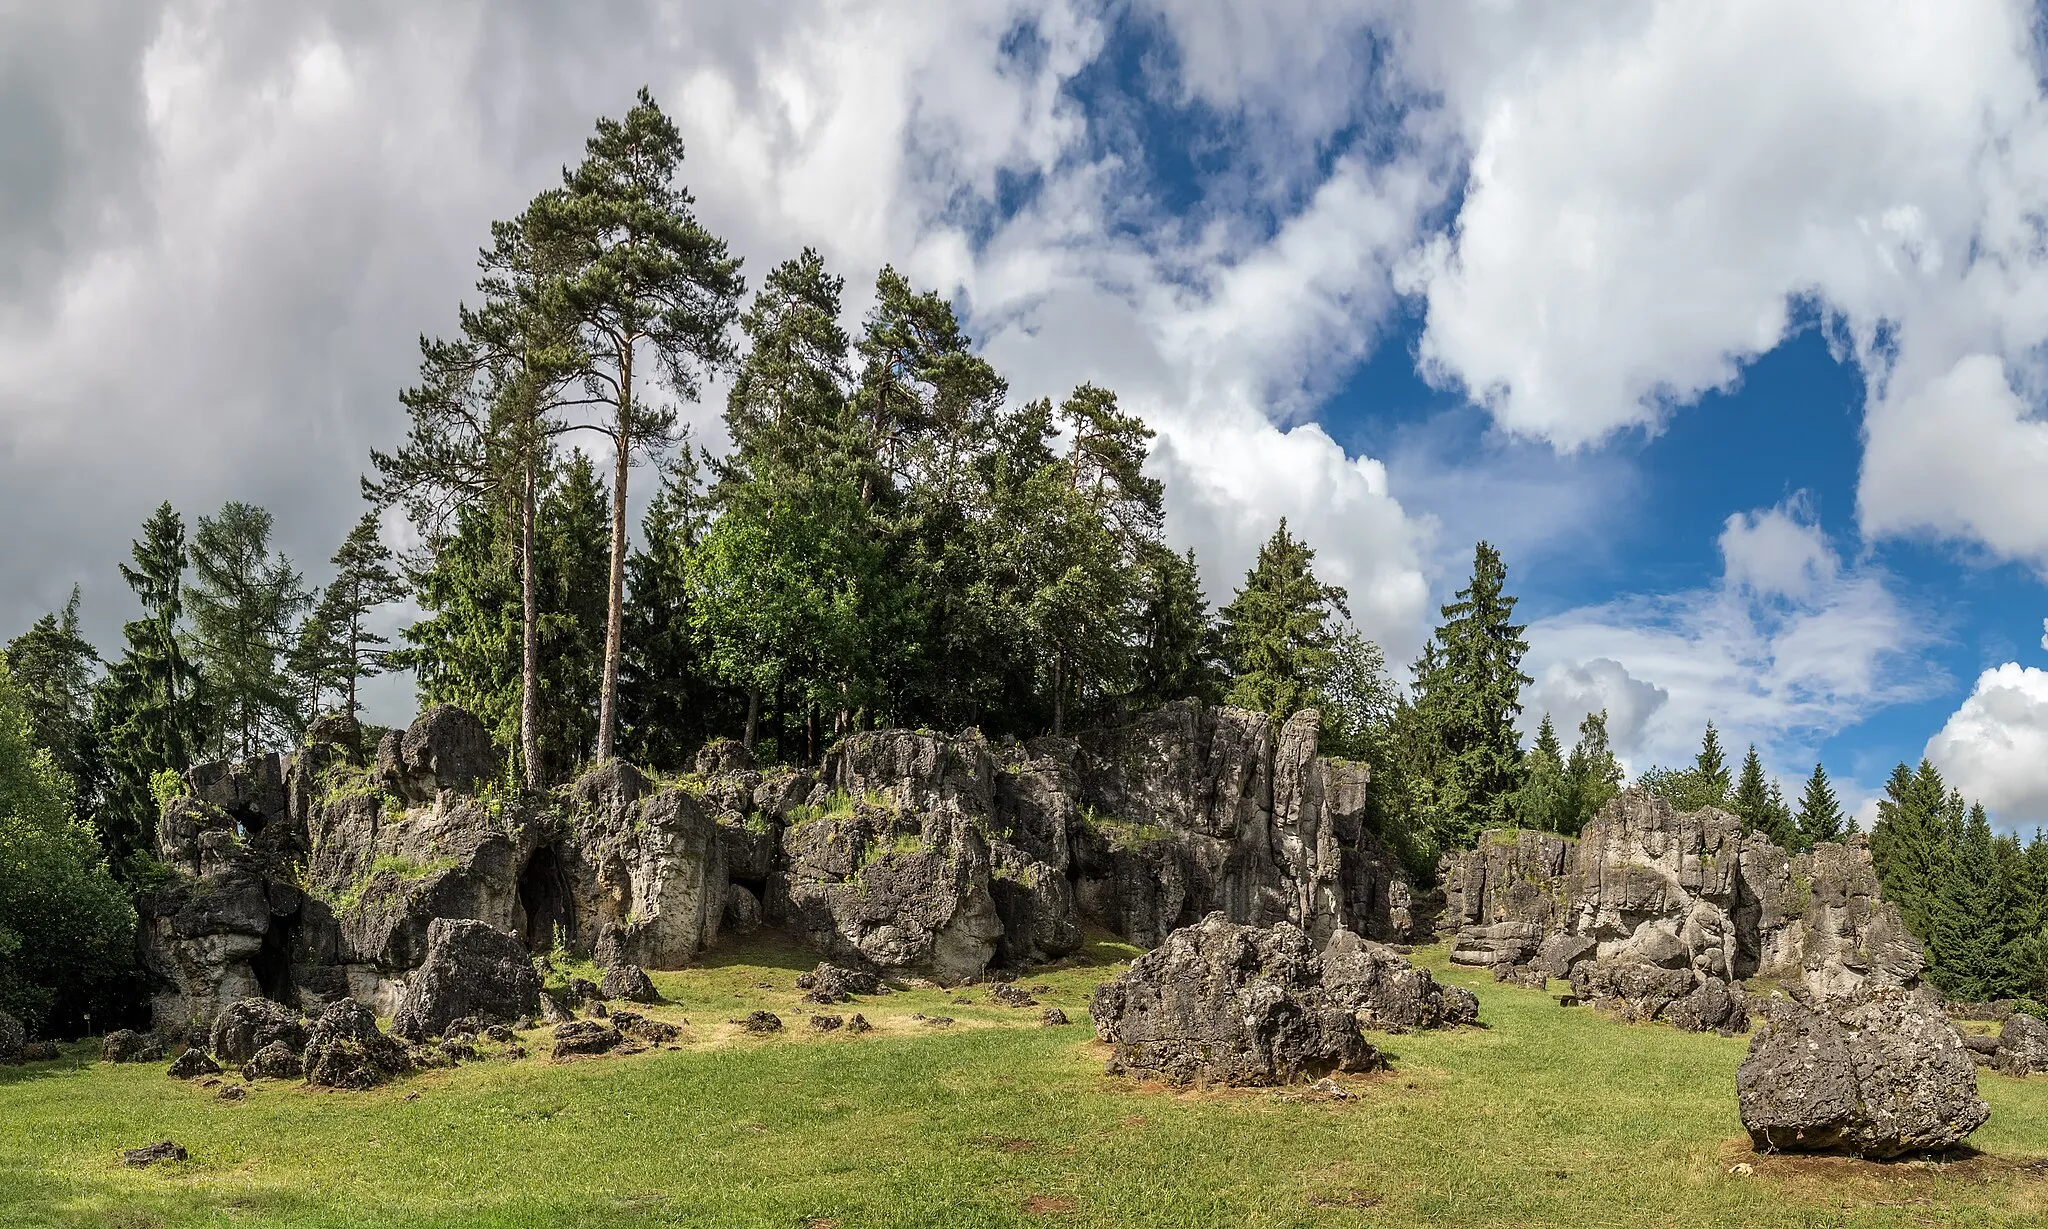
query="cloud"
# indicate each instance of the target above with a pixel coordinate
(1994, 748)
(1777, 552)
(213, 271)
(1788, 648)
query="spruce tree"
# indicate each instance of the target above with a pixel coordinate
(365, 579)
(1468, 687)
(245, 607)
(52, 667)
(1546, 800)
(1176, 641)
(1711, 768)
(147, 716)
(1277, 638)
(1751, 799)
(1820, 812)
(668, 702)
(1593, 774)
(1909, 845)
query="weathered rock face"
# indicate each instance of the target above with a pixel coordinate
(1225, 1003)
(251, 1024)
(471, 970)
(446, 750)
(1649, 907)
(1191, 809)
(318, 879)
(1388, 994)
(1879, 1077)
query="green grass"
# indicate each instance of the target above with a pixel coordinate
(1547, 1116)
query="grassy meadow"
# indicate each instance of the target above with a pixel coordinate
(1545, 1116)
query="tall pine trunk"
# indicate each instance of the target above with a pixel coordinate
(529, 634)
(753, 716)
(615, 623)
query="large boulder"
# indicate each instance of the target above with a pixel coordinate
(276, 1061)
(1224, 1003)
(445, 750)
(125, 1045)
(248, 1025)
(1386, 992)
(1880, 1077)
(657, 866)
(346, 1049)
(471, 969)
(2022, 1045)
(629, 982)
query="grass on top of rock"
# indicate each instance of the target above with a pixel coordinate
(1546, 1116)
(1120, 833)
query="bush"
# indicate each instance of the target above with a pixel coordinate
(67, 932)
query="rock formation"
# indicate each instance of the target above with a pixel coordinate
(472, 972)
(249, 1025)
(1880, 1074)
(1658, 914)
(320, 877)
(1221, 1002)
(345, 1049)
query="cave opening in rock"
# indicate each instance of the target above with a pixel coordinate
(272, 963)
(545, 900)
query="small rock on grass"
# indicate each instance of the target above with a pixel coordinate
(585, 1037)
(1053, 1017)
(192, 1064)
(858, 1024)
(139, 1158)
(826, 1024)
(761, 1022)
(233, 1092)
(932, 1021)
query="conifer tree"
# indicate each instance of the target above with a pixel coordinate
(1712, 768)
(668, 702)
(1820, 812)
(1751, 799)
(1277, 637)
(1468, 687)
(365, 579)
(245, 607)
(1593, 774)
(1175, 639)
(645, 281)
(1546, 802)
(147, 716)
(1909, 843)
(52, 666)
(1359, 701)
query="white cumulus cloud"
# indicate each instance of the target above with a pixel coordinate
(1994, 748)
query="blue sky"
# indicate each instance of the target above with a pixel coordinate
(1727, 323)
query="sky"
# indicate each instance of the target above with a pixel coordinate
(1727, 323)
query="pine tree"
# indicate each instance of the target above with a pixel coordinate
(1593, 773)
(1545, 803)
(1778, 823)
(52, 667)
(1277, 637)
(1820, 812)
(1909, 844)
(147, 716)
(646, 278)
(1751, 800)
(1468, 692)
(245, 607)
(574, 518)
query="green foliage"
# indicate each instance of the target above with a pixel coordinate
(1820, 815)
(1178, 649)
(51, 666)
(167, 784)
(1705, 784)
(1123, 834)
(66, 929)
(147, 712)
(1468, 688)
(335, 651)
(1761, 806)
(1593, 774)
(1545, 801)
(245, 605)
(1277, 634)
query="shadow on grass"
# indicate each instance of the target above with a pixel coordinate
(76, 1060)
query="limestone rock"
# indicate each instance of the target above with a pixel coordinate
(1881, 1077)
(143, 1158)
(1634, 990)
(658, 868)
(275, 1061)
(1387, 993)
(2022, 1045)
(471, 969)
(583, 1037)
(762, 1022)
(193, 1064)
(251, 1024)
(629, 982)
(742, 911)
(125, 1045)
(1224, 1003)
(1052, 1017)
(446, 750)
(1714, 1006)
(346, 1049)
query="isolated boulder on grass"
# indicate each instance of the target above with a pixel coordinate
(248, 1025)
(1386, 991)
(580, 1037)
(1880, 1077)
(193, 1064)
(276, 1061)
(346, 1049)
(2022, 1045)
(125, 1045)
(629, 982)
(471, 969)
(1222, 1003)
